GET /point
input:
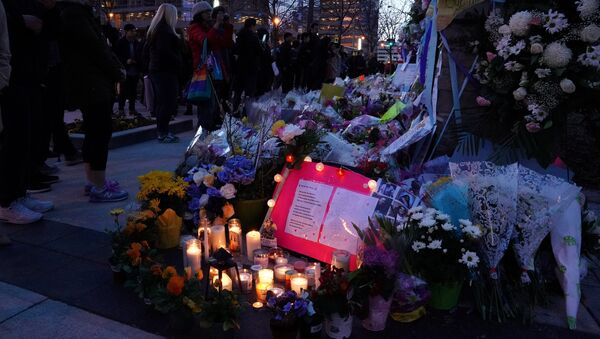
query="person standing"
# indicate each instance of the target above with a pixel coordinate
(127, 49)
(19, 103)
(285, 63)
(165, 63)
(334, 63)
(90, 70)
(247, 51)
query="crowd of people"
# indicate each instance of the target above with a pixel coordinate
(67, 56)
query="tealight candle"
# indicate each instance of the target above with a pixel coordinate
(298, 283)
(261, 257)
(341, 260)
(193, 255)
(252, 243)
(288, 277)
(257, 305)
(226, 283)
(280, 272)
(212, 272)
(265, 276)
(235, 236)
(246, 280)
(217, 237)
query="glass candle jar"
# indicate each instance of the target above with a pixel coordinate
(288, 278)
(246, 280)
(261, 257)
(235, 236)
(298, 283)
(300, 265)
(280, 271)
(341, 260)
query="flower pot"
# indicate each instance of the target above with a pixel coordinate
(312, 329)
(444, 296)
(250, 212)
(284, 329)
(338, 327)
(379, 309)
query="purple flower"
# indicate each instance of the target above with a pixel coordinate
(375, 256)
(287, 307)
(237, 169)
(213, 192)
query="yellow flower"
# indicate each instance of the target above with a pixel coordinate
(117, 211)
(276, 126)
(209, 180)
(154, 205)
(216, 169)
(169, 272)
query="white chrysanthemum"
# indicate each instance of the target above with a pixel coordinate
(435, 245)
(519, 23)
(430, 210)
(503, 47)
(587, 8)
(418, 245)
(472, 231)
(567, 86)
(590, 58)
(415, 209)
(504, 29)
(442, 217)
(417, 216)
(493, 21)
(520, 93)
(448, 227)
(557, 55)
(555, 22)
(543, 72)
(590, 33)
(465, 222)
(470, 259)
(427, 222)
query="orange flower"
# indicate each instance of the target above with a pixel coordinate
(154, 205)
(199, 275)
(135, 253)
(228, 211)
(156, 270)
(145, 244)
(175, 285)
(140, 227)
(169, 272)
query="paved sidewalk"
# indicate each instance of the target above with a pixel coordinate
(24, 314)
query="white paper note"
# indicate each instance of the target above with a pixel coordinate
(308, 209)
(346, 208)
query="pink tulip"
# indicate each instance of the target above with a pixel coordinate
(533, 127)
(490, 56)
(483, 102)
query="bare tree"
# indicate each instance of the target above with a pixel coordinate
(343, 13)
(391, 19)
(369, 25)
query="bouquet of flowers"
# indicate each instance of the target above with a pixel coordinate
(288, 309)
(441, 252)
(164, 187)
(332, 295)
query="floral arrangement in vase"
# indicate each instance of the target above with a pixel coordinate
(288, 310)
(164, 187)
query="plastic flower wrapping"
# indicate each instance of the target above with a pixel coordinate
(492, 195)
(411, 293)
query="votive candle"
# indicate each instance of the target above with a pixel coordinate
(265, 276)
(217, 237)
(298, 283)
(281, 261)
(193, 255)
(280, 272)
(246, 280)
(261, 257)
(235, 236)
(341, 260)
(226, 282)
(317, 268)
(300, 265)
(252, 243)
(261, 291)
(288, 277)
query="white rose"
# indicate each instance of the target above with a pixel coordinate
(199, 176)
(590, 33)
(520, 93)
(289, 132)
(228, 191)
(504, 29)
(567, 86)
(536, 48)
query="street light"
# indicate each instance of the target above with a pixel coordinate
(276, 21)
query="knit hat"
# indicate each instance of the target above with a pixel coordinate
(200, 7)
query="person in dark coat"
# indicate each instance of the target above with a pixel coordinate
(91, 71)
(165, 63)
(127, 49)
(247, 51)
(305, 56)
(265, 81)
(356, 65)
(285, 63)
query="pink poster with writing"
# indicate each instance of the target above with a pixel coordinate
(303, 207)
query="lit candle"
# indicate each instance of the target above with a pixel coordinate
(288, 278)
(252, 243)
(226, 283)
(299, 283)
(217, 237)
(281, 261)
(246, 279)
(341, 260)
(206, 236)
(235, 237)
(317, 269)
(194, 256)
(300, 265)
(261, 257)
(257, 305)
(212, 272)
(261, 291)
(275, 291)
(280, 272)
(265, 276)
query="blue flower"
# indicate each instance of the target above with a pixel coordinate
(213, 192)
(287, 307)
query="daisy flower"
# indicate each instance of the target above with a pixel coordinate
(418, 245)
(470, 259)
(435, 245)
(555, 22)
(542, 72)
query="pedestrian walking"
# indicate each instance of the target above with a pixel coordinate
(165, 63)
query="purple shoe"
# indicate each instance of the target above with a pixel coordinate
(111, 192)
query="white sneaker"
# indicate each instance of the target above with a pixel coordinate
(16, 213)
(36, 205)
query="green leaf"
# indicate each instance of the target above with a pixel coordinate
(548, 124)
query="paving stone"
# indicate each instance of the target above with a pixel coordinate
(24, 265)
(52, 319)
(42, 232)
(15, 300)
(83, 243)
(554, 314)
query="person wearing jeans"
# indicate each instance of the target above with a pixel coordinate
(127, 49)
(165, 62)
(91, 71)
